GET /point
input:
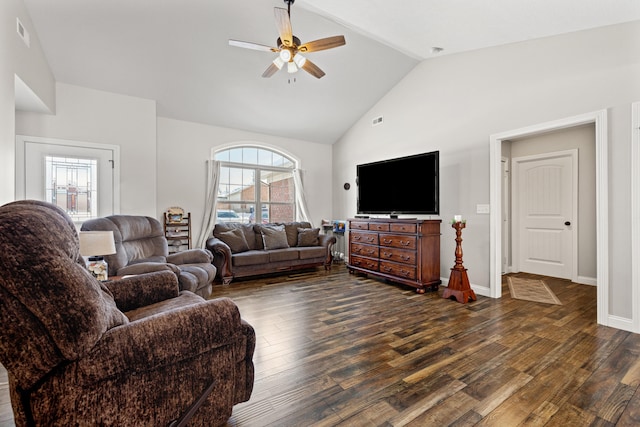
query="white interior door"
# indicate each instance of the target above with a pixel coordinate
(77, 177)
(545, 198)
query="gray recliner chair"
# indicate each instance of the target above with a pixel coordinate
(141, 247)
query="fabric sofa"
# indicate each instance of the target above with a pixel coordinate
(128, 352)
(141, 247)
(242, 250)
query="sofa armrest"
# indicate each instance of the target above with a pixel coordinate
(144, 289)
(327, 241)
(221, 258)
(148, 267)
(191, 256)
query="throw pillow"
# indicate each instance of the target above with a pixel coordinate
(308, 236)
(235, 240)
(274, 237)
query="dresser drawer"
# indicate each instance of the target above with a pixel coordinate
(398, 241)
(398, 255)
(368, 238)
(400, 270)
(403, 228)
(379, 226)
(359, 225)
(364, 250)
(369, 264)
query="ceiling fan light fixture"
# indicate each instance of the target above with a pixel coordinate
(278, 62)
(299, 60)
(291, 67)
(285, 55)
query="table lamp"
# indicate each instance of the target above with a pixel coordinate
(94, 245)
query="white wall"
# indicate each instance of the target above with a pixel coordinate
(31, 66)
(183, 148)
(90, 115)
(454, 103)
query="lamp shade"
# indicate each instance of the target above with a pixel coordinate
(97, 243)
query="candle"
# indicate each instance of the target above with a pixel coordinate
(457, 218)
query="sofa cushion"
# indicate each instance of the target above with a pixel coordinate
(310, 252)
(308, 237)
(250, 258)
(291, 228)
(235, 239)
(288, 254)
(273, 237)
(247, 229)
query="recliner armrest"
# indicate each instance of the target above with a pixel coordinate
(148, 267)
(144, 289)
(191, 256)
(160, 340)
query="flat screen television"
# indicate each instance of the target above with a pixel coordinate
(405, 185)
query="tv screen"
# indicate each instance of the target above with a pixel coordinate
(406, 185)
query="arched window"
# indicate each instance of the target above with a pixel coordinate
(256, 186)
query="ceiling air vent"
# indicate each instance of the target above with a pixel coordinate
(23, 33)
(376, 121)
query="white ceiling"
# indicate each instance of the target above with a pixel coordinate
(176, 51)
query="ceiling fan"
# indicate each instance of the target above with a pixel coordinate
(289, 47)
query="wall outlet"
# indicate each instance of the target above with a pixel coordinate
(483, 209)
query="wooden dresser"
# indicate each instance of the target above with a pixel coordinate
(401, 250)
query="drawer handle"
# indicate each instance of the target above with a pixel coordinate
(387, 240)
(405, 258)
(370, 265)
(387, 254)
(371, 252)
(405, 243)
(356, 237)
(405, 273)
(370, 239)
(387, 269)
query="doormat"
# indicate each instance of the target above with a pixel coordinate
(531, 290)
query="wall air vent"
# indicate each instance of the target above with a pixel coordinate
(23, 33)
(376, 121)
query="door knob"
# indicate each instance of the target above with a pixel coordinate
(567, 223)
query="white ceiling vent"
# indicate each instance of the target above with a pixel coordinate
(377, 121)
(23, 33)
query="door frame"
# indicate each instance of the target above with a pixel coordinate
(21, 167)
(600, 119)
(635, 215)
(516, 214)
(505, 208)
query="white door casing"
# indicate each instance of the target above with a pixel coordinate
(30, 168)
(506, 215)
(545, 192)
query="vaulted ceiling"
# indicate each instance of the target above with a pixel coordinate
(177, 53)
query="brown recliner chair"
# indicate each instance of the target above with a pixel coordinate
(141, 247)
(135, 351)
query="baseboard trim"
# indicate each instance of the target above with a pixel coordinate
(620, 323)
(485, 291)
(591, 281)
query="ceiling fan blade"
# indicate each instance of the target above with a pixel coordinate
(322, 44)
(312, 69)
(270, 71)
(284, 26)
(254, 46)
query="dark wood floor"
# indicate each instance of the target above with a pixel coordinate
(338, 349)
